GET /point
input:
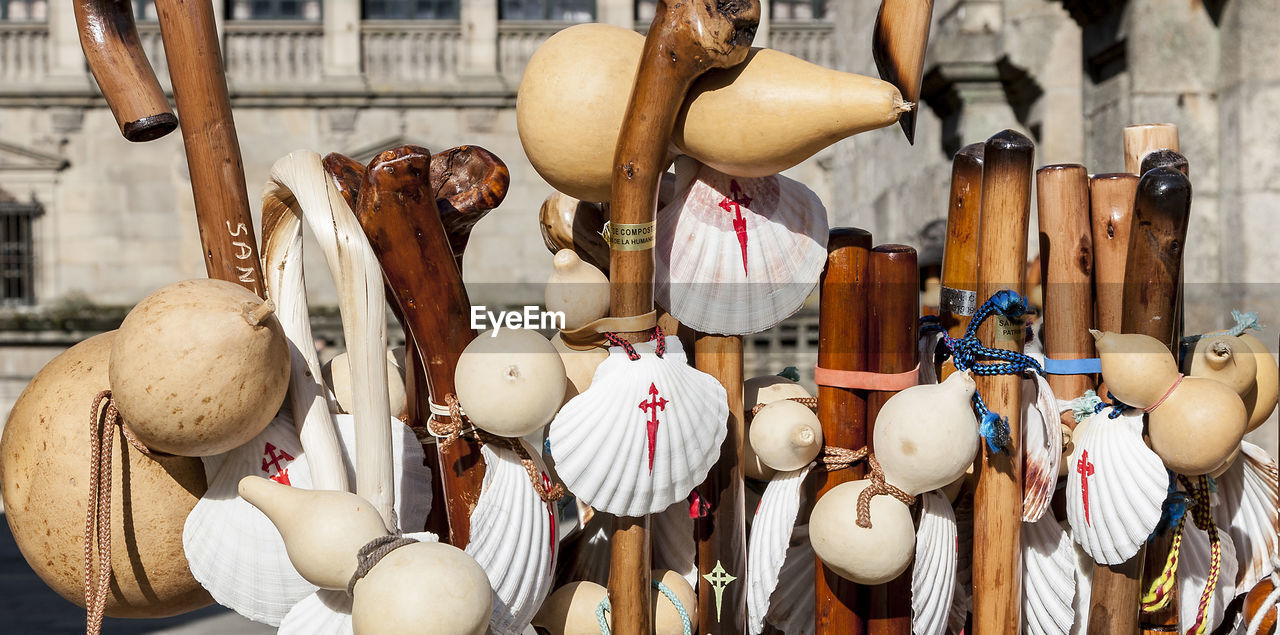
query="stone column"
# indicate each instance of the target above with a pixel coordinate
(66, 58)
(479, 60)
(341, 40)
(616, 12)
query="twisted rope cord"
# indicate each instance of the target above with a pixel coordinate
(878, 488)
(685, 622)
(372, 553)
(834, 458)
(1162, 587)
(616, 340)
(98, 508)
(808, 402)
(457, 425)
(1203, 518)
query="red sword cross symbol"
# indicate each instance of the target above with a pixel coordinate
(1085, 469)
(739, 223)
(271, 458)
(652, 406)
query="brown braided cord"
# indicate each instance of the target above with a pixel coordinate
(372, 553)
(808, 402)
(877, 488)
(98, 508)
(834, 458)
(453, 429)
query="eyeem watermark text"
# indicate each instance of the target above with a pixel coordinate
(531, 317)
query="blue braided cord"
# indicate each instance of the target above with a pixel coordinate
(995, 431)
(1086, 366)
(1171, 510)
(601, 609)
(546, 445)
(1117, 407)
(684, 615)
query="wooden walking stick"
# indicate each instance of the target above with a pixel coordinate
(997, 505)
(898, 46)
(1143, 138)
(209, 135)
(1066, 259)
(893, 326)
(396, 210)
(842, 345)
(959, 296)
(721, 533)
(110, 41)
(1111, 216)
(685, 40)
(1152, 271)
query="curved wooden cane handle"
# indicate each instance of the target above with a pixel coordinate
(110, 41)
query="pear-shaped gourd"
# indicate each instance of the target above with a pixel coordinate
(322, 530)
(579, 366)
(927, 436)
(576, 289)
(756, 119)
(1198, 426)
(44, 459)
(785, 435)
(666, 617)
(1224, 358)
(1261, 399)
(337, 375)
(199, 367)
(1138, 369)
(510, 382)
(764, 389)
(426, 587)
(866, 556)
(571, 609)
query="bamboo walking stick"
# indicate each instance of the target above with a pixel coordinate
(109, 38)
(893, 323)
(685, 40)
(1066, 259)
(209, 134)
(959, 293)
(997, 506)
(721, 534)
(842, 345)
(397, 212)
(898, 46)
(1143, 138)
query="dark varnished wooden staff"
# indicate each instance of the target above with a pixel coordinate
(396, 209)
(893, 310)
(898, 46)
(960, 253)
(1152, 272)
(997, 506)
(685, 40)
(1066, 260)
(842, 345)
(109, 38)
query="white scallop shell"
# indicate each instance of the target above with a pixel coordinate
(1250, 510)
(771, 530)
(1125, 491)
(928, 373)
(791, 604)
(513, 538)
(1194, 562)
(236, 553)
(933, 574)
(738, 255)
(962, 603)
(1084, 589)
(671, 534)
(1048, 577)
(328, 612)
(1042, 447)
(600, 438)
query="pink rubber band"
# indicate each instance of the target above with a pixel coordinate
(1167, 393)
(865, 380)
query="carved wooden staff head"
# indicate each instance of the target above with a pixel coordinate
(110, 41)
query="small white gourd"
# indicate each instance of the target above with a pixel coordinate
(576, 289)
(764, 389)
(786, 435)
(510, 383)
(927, 436)
(420, 588)
(872, 555)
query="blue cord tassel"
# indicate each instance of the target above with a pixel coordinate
(995, 431)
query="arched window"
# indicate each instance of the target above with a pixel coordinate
(409, 9)
(557, 10)
(273, 9)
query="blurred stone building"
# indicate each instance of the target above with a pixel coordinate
(90, 223)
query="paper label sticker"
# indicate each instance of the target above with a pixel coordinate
(1007, 330)
(630, 237)
(959, 301)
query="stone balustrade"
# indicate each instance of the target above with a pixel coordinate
(24, 58)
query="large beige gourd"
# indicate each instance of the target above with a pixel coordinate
(426, 587)
(926, 436)
(764, 389)
(866, 556)
(199, 367)
(510, 382)
(337, 376)
(785, 435)
(1198, 426)
(1138, 369)
(322, 530)
(571, 609)
(1224, 358)
(44, 462)
(756, 119)
(1261, 400)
